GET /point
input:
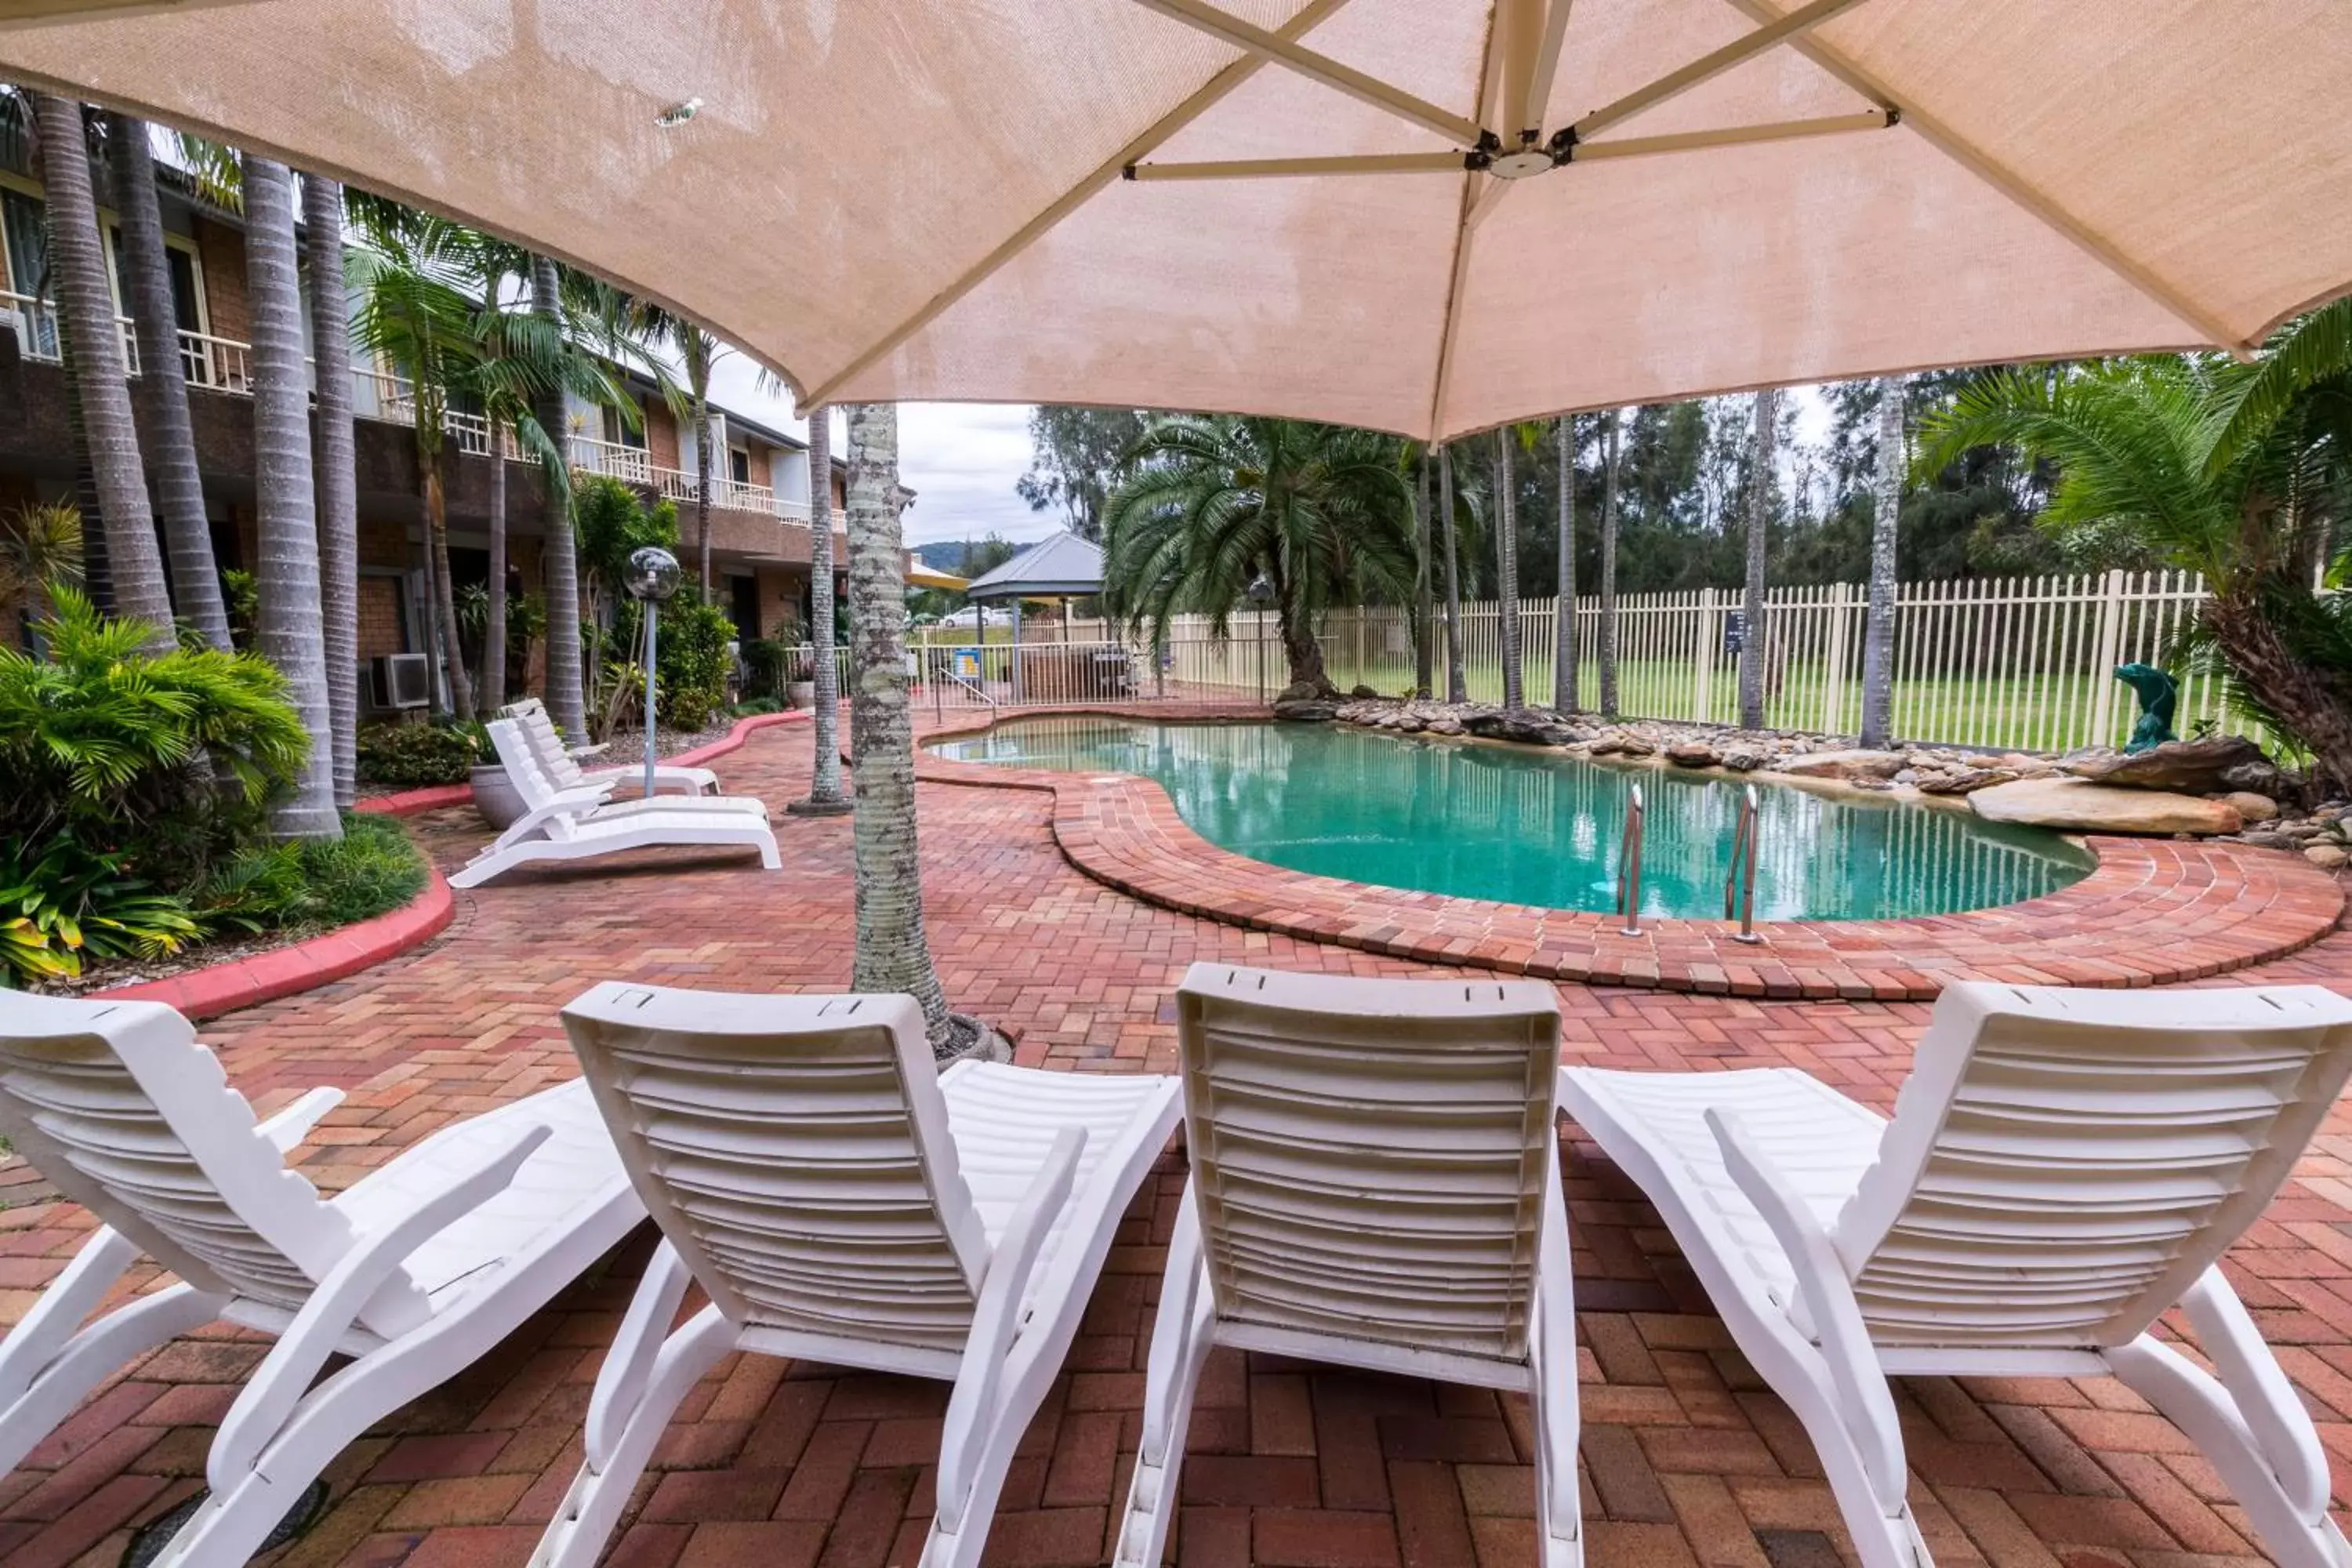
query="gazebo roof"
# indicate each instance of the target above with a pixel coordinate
(1060, 567)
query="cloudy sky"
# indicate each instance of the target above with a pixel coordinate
(962, 460)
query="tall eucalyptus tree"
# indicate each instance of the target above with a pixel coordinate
(1608, 476)
(1564, 630)
(1760, 518)
(1506, 566)
(1424, 596)
(1457, 689)
(285, 576)
(167, 435)
(1878, 623)
(134, 565)
(893, 953)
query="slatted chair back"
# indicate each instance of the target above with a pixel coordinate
(555, 759)
(127, 1115)
(1370, 1160)
(527, 773)
(795, 1151)
(2063, 1163)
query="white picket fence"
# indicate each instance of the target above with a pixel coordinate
(2025, 662)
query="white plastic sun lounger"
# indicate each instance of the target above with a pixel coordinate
(413, 1273)
(1375, 1182)
(562, 767)
(581, 824)
(2063, 1167)
(840, 1198)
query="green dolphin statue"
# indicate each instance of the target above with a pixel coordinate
(2158, 695)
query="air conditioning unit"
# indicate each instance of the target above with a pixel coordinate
(398, 681)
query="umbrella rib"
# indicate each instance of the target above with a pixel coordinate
(33, 13)
(1278, 168)
(1547, 62)
(1231, 29)
(1735, 135)
(1207, 96)
(1478, 198)
(2052, 213)
(1714, 62)
(1521, 23)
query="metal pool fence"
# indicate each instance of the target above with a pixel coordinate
(2024, 662)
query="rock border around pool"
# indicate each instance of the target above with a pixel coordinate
(2154, 912)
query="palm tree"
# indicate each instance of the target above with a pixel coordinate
(168, 436)
(1318, 511)
(1564, 630)
(2227, 470)
(1759, 515)
(1609, 473)
(893, 953)
(566, 703)
(1506, 567)
(824, 796)
(39, 545)
(697, 352)
(1878, 623)
(135, 566)
(285, 510)
(338, 478)
(1457, 687)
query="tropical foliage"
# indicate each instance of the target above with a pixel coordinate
(1313, 514)
(418, 756)
(2236, 471)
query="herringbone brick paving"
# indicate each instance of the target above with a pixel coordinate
(1687, 1459)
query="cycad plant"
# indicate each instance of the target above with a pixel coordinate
(2233, 472)
(1212, 504)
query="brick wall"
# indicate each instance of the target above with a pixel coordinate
(222, 249)
(661, 435)
(781, 592)
(763, 462)
(382, 631)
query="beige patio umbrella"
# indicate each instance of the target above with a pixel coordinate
(1424, 215)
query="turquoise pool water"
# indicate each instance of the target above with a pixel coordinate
(1538, 827)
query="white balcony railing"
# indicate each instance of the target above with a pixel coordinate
(225, 365)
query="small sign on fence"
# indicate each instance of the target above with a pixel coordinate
(967, 664)
(1735, 632)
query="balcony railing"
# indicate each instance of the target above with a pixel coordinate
(223, 364)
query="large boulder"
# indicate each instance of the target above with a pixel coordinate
(1307, 711)
(2080, 805)
(1854, 765)
(2191, 767)
(1529, 726)
(1692, 754)
(1960, 779)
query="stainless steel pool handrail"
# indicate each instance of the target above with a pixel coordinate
(1739, 883)
(1629, 867)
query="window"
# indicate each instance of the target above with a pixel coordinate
(738, 465)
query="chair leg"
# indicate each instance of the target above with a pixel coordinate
(1560, 1518)
(1180, 1338)
(585, 1522)
(91, 1356)
(2248, 1423)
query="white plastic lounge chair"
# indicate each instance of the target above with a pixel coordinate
(581, 824)
(841, 1199)
(2063, 1167)
(414, 1272)
(561, 762)
(1375, 1182)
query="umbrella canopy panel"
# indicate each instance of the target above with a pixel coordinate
(1064, 566)
(1423, 216)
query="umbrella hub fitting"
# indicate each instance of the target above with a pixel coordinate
(1518, 165)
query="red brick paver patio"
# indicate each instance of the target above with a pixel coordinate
(1686, 1460)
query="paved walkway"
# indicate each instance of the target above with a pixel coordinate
(1686, 1460)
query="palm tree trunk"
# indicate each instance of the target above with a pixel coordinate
(286, 574)
(445, 590)
(1456, 689)
(1424, 608)
(1760, 518)
(1295, 630)
(893, 953)
(566, 705)
(824, 796)
(702, 487)
(494, 628)
(97, 578)
(337, 475)
(1506, 568)
(2313, 702)
(78, 267)
(1563, 628)
(1878, 627)
(168, 438)
(1608, 566)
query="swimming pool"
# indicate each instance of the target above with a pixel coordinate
(1539, 827)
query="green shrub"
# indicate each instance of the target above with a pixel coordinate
(693, 654)
(750, 706)
(414, 756)
(766, 665)
(158, 760)
(64, 903)
(315, 882)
